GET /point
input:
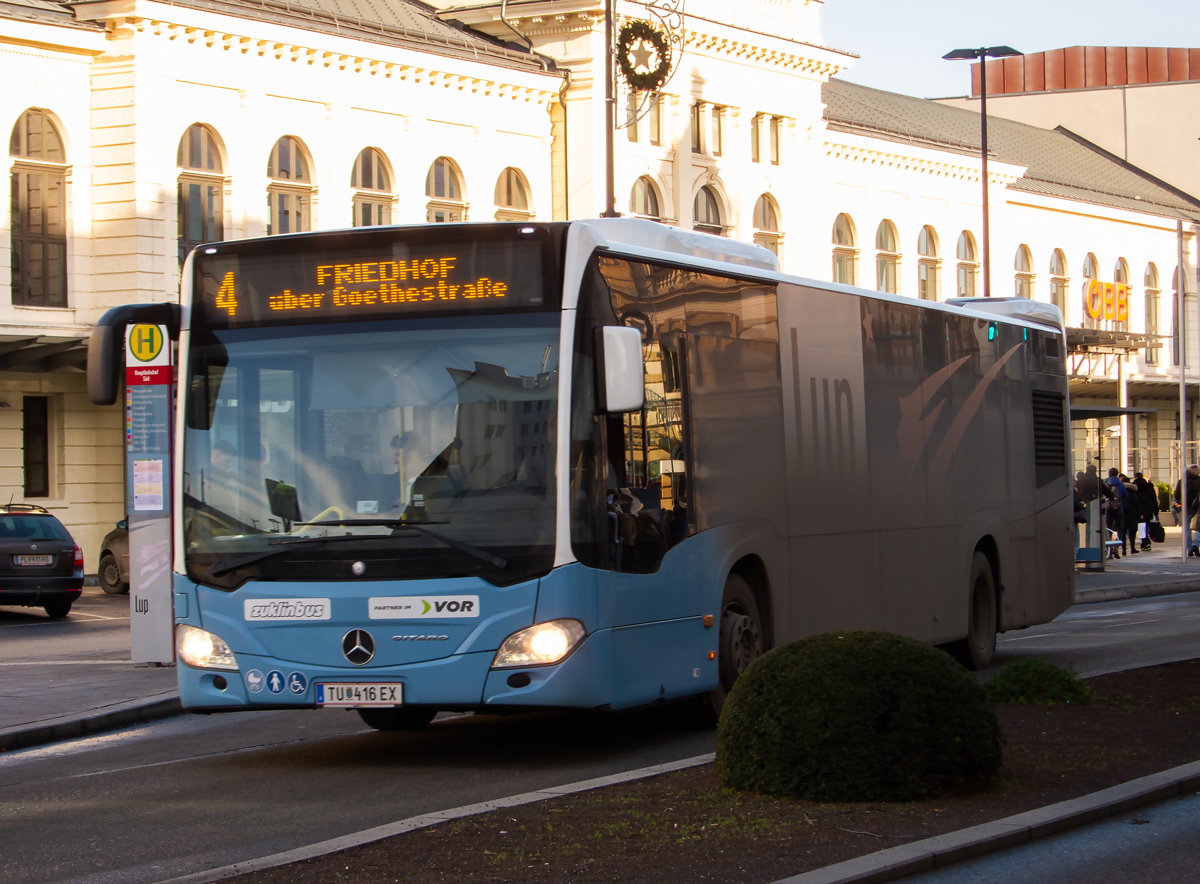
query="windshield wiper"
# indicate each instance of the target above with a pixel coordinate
(409, 525)
(233, 564)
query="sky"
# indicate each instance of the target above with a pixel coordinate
(901, 42)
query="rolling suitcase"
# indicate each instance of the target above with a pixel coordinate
(1154, 530)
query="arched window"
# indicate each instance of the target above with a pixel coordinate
(844, 250)
(373, 189)
(39, 212)
(1023, 272)
(706, 211)
(927, 264)
(643, 199)
(512, 196)
(968, 265)
(1091, 270)
(290, 193)
(200, 205)
(887, 257)
(1150, 282)
(443, 188)
(766, 224)
(1059, 281)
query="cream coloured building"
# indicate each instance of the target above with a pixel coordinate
(147, 127)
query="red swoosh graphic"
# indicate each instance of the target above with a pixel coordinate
(912, 434)
(948, 450)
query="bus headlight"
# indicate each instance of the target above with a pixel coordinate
(540, 644)
(202, 649)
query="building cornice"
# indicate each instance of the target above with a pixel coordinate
(54, 38)
(910, 158)
(714, 39)
(185, 25)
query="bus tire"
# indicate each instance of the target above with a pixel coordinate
(976, 650)
(404, 718)
(739, 640)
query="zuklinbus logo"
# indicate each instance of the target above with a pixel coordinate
(286, 609)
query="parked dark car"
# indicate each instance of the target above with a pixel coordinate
(113, 570)
(41, 566)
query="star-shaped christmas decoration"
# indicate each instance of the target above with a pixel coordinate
(642, 58)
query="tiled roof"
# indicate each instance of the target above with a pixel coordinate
(1056, 163)
(406, 23)
(44, 12)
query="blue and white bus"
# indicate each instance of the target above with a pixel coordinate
(598, 464)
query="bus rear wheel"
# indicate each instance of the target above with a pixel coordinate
(976, 650)
(404, 718)
(740, 640)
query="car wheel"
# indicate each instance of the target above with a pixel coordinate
(110, 575)
(58, 610)
(405, 718)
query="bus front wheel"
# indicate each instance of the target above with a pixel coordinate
(740, 640)
(976, 650)
(403, 718)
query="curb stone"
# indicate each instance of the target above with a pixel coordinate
(1136, 591)
(71, 726)
(944, 850)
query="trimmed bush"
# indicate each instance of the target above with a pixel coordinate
(1038, 683)
(857, 716)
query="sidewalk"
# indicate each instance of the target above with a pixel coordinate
(1161, 572)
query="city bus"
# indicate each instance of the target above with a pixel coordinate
(594, 464)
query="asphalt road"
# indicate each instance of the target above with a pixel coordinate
(190, 793)
(193, 792)
(97, 628)
(1110, 636)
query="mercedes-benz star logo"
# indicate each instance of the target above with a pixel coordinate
(358, 646)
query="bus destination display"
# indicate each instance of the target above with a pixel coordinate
(352, 284)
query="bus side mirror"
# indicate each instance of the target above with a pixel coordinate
(620, 373)
(104, 362)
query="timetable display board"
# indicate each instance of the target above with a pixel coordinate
(380, 273)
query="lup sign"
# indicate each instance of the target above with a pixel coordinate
(1106, 300)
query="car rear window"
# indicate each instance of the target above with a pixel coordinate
(32, 528)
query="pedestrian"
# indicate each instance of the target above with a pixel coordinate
(1088, 484)
(1192, 489)
(1113, 493)
(1147, 496)
(1133, 515)
(1081, 518)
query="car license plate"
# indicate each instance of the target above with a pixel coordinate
(353, 694)
(35, 560)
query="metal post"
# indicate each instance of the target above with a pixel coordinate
(983, 150)
(1180, 345)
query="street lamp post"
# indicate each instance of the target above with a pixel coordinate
(983, 54)
(610, 117)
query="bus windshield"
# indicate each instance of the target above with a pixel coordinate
(398, 448)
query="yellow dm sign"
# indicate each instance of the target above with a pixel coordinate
(145, 342)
